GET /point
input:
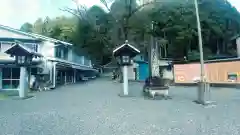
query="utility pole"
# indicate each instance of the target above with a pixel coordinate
(200, 42)
(202, 87)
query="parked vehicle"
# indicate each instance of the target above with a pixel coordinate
(114, 75)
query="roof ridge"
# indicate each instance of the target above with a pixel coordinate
(34, 35)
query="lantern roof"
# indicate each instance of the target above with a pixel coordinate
(20, 50)
(126, 48)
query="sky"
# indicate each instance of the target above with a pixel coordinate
(16, 12)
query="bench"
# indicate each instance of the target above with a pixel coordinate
(156, 86)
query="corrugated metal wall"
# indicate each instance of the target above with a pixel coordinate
(217, 72)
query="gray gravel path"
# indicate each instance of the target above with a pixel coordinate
(94, 108)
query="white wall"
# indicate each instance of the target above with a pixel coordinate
(163, 62)
(0, 78)
(47, 49)
(4, 56)
(70, 54)
(90, 63)
(168, 74)
(131, 73)
(77, 59)
(82, 60)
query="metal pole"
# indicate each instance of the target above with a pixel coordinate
(202, 74)
(202, 86)
(150, 52)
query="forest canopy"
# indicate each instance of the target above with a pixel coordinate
(97, 31)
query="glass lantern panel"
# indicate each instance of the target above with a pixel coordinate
(20, 59)
(125, 59)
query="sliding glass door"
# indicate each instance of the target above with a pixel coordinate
(10, 78)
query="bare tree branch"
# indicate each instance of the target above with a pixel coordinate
(105, 3)
(71, 11)
(140, 7)
(123, 22)
(80, 12)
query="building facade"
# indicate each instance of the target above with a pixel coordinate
(59, 64)
(139, 70)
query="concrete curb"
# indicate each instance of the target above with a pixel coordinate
(237, 86)
(136, 81)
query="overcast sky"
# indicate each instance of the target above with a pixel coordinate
(16, 12)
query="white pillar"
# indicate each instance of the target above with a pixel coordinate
(1, 78)
(125, 80)
(74, 76)
(54, 78)
(23, 81)
(65, 79)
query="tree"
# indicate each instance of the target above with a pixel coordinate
(27, 27)
(97, 32)
(62, 28)
(92, 34)
(177, 23)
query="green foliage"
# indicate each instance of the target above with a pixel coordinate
(27, 27)
(97, 32)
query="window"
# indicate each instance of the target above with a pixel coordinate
(85, 61)
(125, 59)
(61, 52)
(58, 52)
(65, 53)
(34, 71)
(6, 73)
(10, 78)
(6, 45)
(32, 46)
(15, 73)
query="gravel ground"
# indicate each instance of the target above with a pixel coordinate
(94, 108)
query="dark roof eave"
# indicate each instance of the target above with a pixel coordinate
(235, 37)
(23, 48)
